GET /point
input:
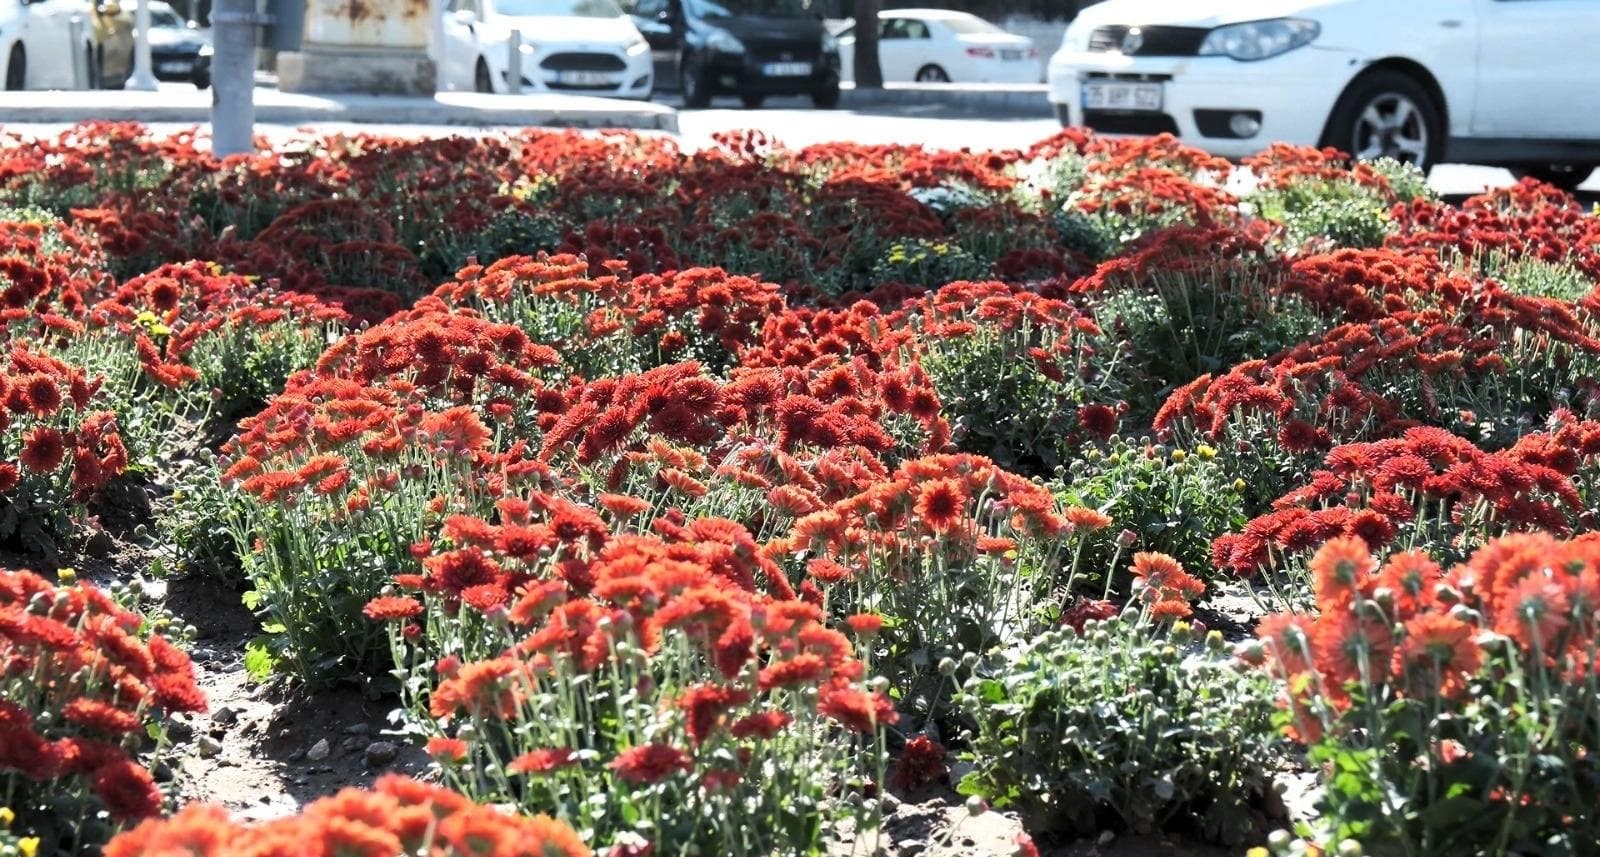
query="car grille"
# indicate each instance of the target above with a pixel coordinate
(1113, 122)
(1153, 41)
(583, 62)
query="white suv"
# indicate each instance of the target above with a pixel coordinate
(1508, 82)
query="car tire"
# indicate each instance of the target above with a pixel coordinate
(482, 81)
(932, 74)
(692, 82)
(1565, 176)
(1385, 113)
(17, 68)
(827, 97)
(202, 80)
(752, 101)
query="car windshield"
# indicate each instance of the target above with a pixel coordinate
(166, 18)
(762, 8)
(971, 26)
(558, 8)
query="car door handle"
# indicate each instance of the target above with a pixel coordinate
(1450, 23)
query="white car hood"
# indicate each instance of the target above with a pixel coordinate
(1197, 13)
(548, 30)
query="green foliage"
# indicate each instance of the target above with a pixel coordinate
(919, 262)
(1122, 726)
(1175, 500)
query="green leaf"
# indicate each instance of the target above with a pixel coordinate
(258, 660)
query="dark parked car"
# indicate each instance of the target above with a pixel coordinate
(178, 51)
(748, 48)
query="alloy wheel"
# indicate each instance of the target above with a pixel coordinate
(1391, 126)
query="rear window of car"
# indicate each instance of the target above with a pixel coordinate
(971, 26)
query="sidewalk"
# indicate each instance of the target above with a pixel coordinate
(993, 98)
(185, 104)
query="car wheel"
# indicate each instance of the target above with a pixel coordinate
(481, 81)
(827, 97)
(932, 74)
(1386, 114)
(696, 89)
(16, 68)
(1564, 176)
(751, 101)
(202, 80)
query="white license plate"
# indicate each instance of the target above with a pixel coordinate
(173, 67)
(1011, 56)
(1100, 95)
(587, 78)
(786, 69)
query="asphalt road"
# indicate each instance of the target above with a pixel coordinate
(792, 121)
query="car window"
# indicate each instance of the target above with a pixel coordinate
(971, 26)
(166, 18)
(761, 8)
(558, 8)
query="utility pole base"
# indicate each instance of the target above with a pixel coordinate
(402, 71)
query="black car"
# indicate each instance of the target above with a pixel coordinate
(178, 51)
(748, 48)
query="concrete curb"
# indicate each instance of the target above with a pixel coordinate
(283, 108)
(1007, 99)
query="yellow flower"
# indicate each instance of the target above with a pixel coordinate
(146, 318)
(1179, 455)
(67, 576)
(29, 847)
(1205, 452)
(1238, 484)
(160, 330)
(6, 816)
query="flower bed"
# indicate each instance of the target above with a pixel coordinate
(686, 502)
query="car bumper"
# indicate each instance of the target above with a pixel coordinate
(1290, 96)
(742, 74)
(583, 71)
(1003, 71)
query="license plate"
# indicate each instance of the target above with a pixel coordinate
(786, 69)
(173, 67)
(1011, 56)
(1121, 96)
(586, 78)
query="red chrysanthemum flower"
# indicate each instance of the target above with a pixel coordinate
(43, 448)
(650, 763)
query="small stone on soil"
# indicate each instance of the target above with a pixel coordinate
(208, 746)
(319, 751)
(225, 717)
(381, 753)
(358, 729)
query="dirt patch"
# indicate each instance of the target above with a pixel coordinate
(264, 750)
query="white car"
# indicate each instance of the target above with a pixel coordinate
(44, 44)
(941, 46)
(1506, 82)
(587, 47)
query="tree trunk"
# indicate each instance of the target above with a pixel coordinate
(869, 72)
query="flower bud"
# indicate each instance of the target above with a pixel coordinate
(976, 806)
(947, 667)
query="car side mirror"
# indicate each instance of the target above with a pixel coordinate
(464, 16)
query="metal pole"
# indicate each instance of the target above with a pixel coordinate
(514, 65)
(142, 77)
(436, 43)
(233, 77)
(80, 60)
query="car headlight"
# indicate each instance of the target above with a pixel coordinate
(638, 47)
(1259, 40)
(830, 43)
(207, 50)
(723, 41)
(526, 48)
